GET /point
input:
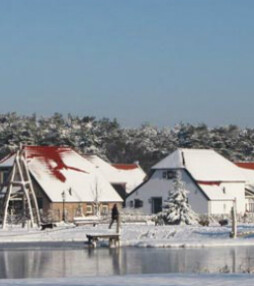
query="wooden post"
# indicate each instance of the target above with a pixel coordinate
(118, 223)
(234, 222)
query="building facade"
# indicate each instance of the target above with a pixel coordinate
(214, 183)
(66, 184)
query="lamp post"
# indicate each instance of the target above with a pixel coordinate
(63, 197)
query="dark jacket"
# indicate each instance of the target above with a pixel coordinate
(114, 213)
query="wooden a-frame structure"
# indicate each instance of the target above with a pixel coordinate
(20, 187)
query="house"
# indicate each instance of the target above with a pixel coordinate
(65, 184)
(123, 177)
(213, 182)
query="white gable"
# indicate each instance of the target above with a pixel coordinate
(203, 165)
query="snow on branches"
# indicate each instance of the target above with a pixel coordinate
(176, 209)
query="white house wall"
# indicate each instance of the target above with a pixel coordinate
(197, 200)
(157, 186)
(220, 207)
(236, 190)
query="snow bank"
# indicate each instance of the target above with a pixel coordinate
(141, 280)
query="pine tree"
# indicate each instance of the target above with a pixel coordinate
(176, 209)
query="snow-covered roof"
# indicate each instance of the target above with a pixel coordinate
(247, 169)
(7, 162)
(203, 164)
(130, 175)
(215, 192)
(61, 169)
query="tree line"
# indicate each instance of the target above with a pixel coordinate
(107, 139)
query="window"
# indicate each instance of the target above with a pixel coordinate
(224, 190)
(40, 203)
(104, 210)
(131, 204)
(89, 209)
(169, 174)
(79, 210)
(5, 176)
(138, 203)
(156, 204)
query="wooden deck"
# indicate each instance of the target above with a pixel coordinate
(114, 239)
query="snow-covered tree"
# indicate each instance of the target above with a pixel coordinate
(106, 138)
(176, 209)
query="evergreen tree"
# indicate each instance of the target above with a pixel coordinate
(176, 209)
(147, 144)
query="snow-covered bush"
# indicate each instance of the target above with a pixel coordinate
(176, 209)
(209, 220)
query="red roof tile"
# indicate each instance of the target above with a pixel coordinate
(125, 166)
(48, 154)
(246, 165)
(208, 183)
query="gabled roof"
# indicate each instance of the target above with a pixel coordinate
(203, 164)
(58, 169)
(215, 192)
(130, 175)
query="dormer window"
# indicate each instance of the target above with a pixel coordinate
(169, 174)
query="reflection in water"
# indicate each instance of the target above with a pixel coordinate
(42, 263)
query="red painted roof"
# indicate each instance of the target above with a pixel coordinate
(125, 166)
(208, 183)
(246, 165)
(47, 154)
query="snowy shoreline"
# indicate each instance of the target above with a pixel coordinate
(141, 280)
(132, 235)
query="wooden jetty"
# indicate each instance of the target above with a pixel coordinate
(114, 239)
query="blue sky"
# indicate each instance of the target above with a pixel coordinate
(160, 61)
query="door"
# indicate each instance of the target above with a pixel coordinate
(156, 205)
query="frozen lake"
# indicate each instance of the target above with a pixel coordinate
(48, 262)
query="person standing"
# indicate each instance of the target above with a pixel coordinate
(114, 215)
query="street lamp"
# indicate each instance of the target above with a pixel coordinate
(63, 197)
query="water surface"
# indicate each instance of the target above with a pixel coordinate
(45, 262)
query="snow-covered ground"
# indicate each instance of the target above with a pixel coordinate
(138, 235)
(142, 280)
